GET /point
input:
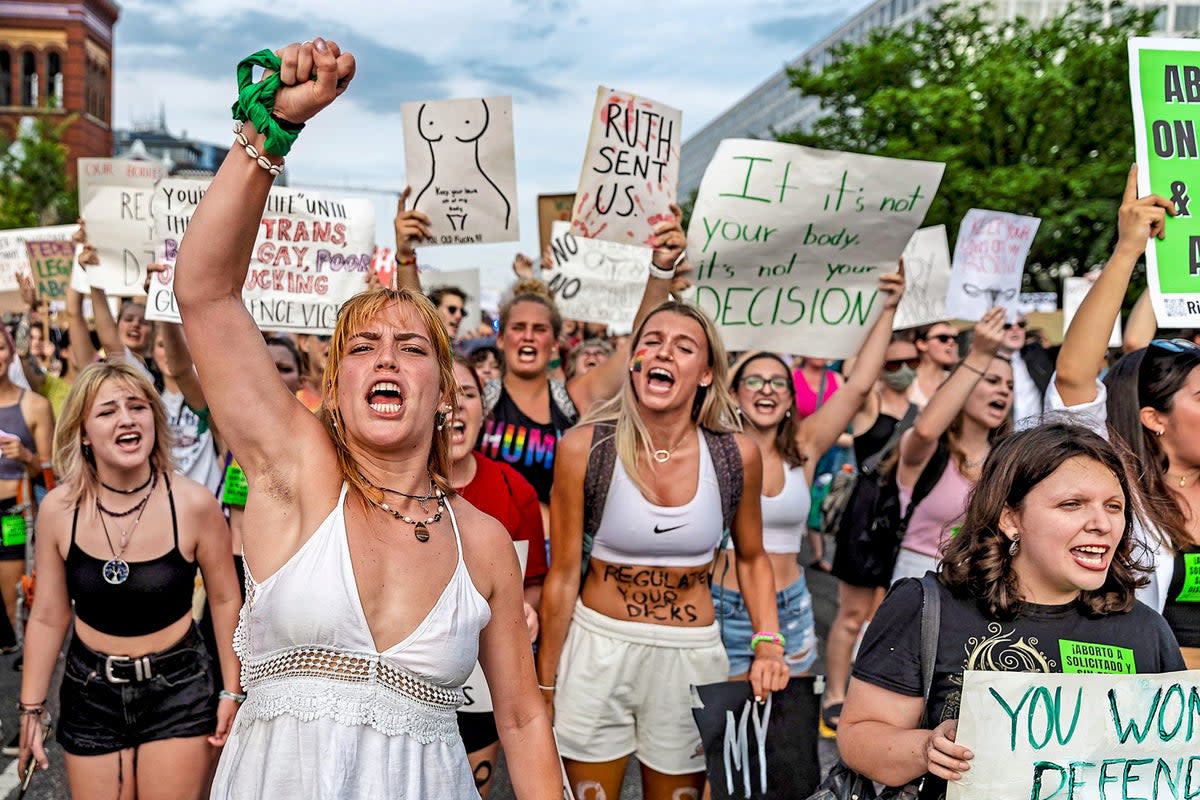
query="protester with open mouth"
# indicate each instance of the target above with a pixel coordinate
(1040, 578)
(372, 588)
(951, 437)
(645, 490)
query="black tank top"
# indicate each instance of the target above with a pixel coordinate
(527, 446)
(157, 593)
(872, 440)
(1182, 610)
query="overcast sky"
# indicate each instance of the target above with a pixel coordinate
(549, 55)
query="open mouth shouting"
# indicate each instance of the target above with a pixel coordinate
(766, 405)
(1091, 556)
(659, 379)
(129, 442)
(385, 398)
(458, 432)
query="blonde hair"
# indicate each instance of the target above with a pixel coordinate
(74, 462)
(356, 314)
(713, 406)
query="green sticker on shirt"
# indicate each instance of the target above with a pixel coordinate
(1191, 579)
(12, 529)
(1085, 657)
(236, 488)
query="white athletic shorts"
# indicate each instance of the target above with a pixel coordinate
(625, 688)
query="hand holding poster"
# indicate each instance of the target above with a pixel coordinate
(461, 165)
(311, 255)
(630, 169)
(1074, 290)
(114, 199)
(51, 264)
(926, 279)
(14, 258)
(597, 281)
(789, 242)
(1164, 76)
(1073, 736)
(989, 261)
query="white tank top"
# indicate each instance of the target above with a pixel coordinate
(635, 531)
(785, 516)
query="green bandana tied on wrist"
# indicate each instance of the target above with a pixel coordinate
(256, 101)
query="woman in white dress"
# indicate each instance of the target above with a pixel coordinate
(371, 587)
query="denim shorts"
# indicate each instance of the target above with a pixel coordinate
(112, 703)
(795, 620)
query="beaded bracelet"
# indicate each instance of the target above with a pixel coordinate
(256, 103)
(766, 636)
(225, 694)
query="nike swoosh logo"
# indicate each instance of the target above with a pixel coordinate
(667, 530)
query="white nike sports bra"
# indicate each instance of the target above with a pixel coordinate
(634, 531)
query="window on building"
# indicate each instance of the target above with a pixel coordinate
(5, 78)
(1187, 19)
(29, 80)
(54, 79)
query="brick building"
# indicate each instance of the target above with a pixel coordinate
(56, 58)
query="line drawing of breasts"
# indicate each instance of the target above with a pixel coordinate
(453, 137)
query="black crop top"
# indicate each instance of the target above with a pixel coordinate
(157, 593)
(1182, 609)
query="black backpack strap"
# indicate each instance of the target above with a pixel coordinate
(931, 622)
(910, 416)
(929, 478)
(602, 460)
(727, 463)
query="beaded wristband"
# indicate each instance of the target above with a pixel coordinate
(256, 102)
(766, 636)
(225, 694)
(252, 151)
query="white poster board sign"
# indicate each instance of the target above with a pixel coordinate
(14, 258)
(479, 696)
(1074, 290)
(596, 280)
(788, 242)
(630, 173)
(468, 281)
(989, 260)
(926, 279)
(461, 165)
(114, 201)
(311, 255)
(1058, 736)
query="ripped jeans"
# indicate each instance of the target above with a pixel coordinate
(795, 621)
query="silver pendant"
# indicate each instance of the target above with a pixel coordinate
(116, 571)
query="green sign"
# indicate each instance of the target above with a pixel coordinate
(1087, 657)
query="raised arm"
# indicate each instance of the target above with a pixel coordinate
(411, 226)
(1083, 347)
(239, 378)
(1141, 325)
(179, 365)
(29, 363)
(106, 326)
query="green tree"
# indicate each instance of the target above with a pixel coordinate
(1031, 119)
(33, 177)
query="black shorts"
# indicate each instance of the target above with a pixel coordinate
(478, 730)
(110, 704)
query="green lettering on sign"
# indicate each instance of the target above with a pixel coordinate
(12, 529)
(236, 487)
(1191, 579)
(1086, 657)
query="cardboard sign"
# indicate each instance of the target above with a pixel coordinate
(114, 201)
(788, 242)
(461, 165)
(479, 696)
(311, 255)
(14, 258)
(1074, 290)
(926, 278)
(1164, 78)
(552, 208)
(51, 264)
(1073, 736)
(596, 280)
(989, 260)
(630, 170)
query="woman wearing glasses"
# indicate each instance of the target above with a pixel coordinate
(937, 345)
(765, 394)
(1150, 401)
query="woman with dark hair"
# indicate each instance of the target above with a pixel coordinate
(1150, 403)
(764, 391)
(952, 436)
(1043, 570)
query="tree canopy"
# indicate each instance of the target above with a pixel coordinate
(33, 177)
(1029, 118)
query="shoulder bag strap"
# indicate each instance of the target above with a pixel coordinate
(931, 622)
(602, 460)
(910, 416)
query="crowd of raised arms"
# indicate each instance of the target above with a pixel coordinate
(350, 504)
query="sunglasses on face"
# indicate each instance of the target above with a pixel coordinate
(1175, 345)
(756, 382)
(455, 310)
(944, 338)
(895, 364)
(1008, 326)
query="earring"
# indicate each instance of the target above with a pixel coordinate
(787, 413)
(1015, 547)
(439, 419)
(704, 385)
(1160, 432)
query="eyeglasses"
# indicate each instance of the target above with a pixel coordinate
(895, 364)
(1008, 326)
(1175, 345)
(456, 310)
(756, 382)
(944, 338)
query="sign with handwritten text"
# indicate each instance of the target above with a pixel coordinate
(461, 165)
(788, 242)
(1164, 77)
(14, 257)
(114, 201)
(312, 253)
(989, 260)
(1074, 290)
(596, 280)
(51, 264)
(1075, 736)
(630, 170)
(926, 279)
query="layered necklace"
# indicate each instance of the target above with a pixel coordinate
(116, 570)
(420, 527)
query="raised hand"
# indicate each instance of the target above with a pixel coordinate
(1140, 218)
(27, 289)
(300, 98)
(522, 266)
(411, 226)
(669, 240)
(989, 332)
(892, 285)
(153, 269)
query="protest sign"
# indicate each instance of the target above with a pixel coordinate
(630, 168)
(926, 278)
(1164, 76)
(1074, 290)
(461, 165)
(596, 280)
(50, 264)
(989, 260)
(552, 208)
(468, 281)
(1037, 302)
(312, 253)
(114, 200)
(788, 242)
(1065, 736)
(479, 695)
(14, 258)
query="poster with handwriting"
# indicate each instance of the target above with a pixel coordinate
(461, 165)
(926, 279)
(788, 242)
(51, 263)
(114, 200)
(1060, 736)
(989, 261)
(596, 280)
(14, 258)
(630, 172)
(311, 255)
(1164, 79)
(1074, 290)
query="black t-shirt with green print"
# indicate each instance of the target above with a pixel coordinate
(1040, 639)
(1182, 609)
